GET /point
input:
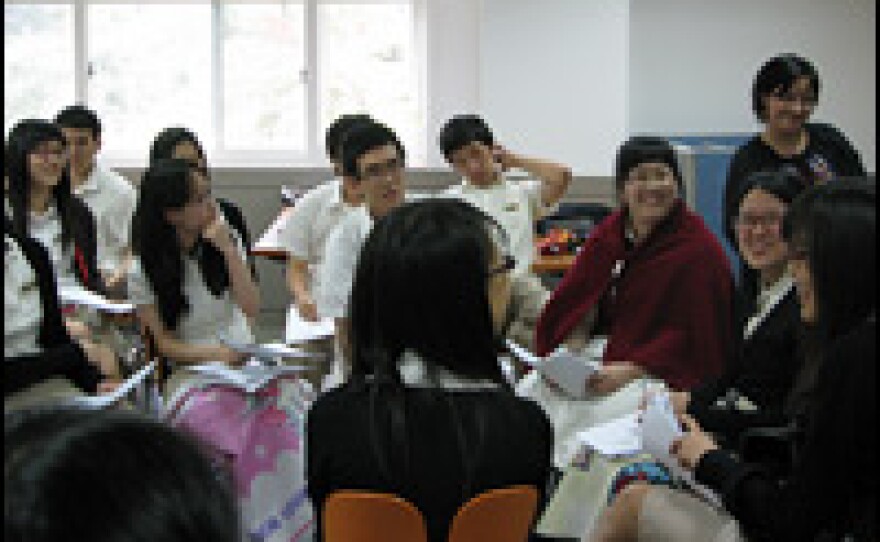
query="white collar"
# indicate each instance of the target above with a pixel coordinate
(91, 182)
(503, 181)
(768, 299)
(414, 372)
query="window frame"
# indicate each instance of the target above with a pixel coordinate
(220, 156)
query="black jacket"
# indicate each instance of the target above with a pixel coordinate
(833, 489)
(61, 356)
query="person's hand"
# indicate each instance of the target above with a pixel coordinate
(108, 386)
(231, 357)
(691, 446)
(102, 357)
(506, 159)
(307, 308)
(77, 330)
(679, 401)
(611, 378)
(218, 233)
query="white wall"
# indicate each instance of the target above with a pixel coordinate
(692, 62)
(553, 78)
(452, 48)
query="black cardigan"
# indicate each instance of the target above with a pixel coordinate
(516, 449)
(833, 488)
(764, 371)
(755, 155)
(61, 356)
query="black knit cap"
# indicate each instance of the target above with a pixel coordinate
(639, 150)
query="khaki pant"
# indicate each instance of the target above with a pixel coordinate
(670, 515)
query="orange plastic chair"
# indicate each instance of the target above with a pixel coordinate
(500, 515)
(354, 516)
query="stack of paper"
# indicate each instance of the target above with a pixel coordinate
(248, 378)
(269, 350)
(568, 371)
(660, 428)
(620, 437)
(76, 295)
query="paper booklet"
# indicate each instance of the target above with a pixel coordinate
(620, 437)
(105, 400)
(75, 295)
(249, 378)
(660, 428)
(270, 350)
(567, 370)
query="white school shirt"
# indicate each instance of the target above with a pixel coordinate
(312, 220)
(22, 307)
(336, 273)
(112, 200)
(46, 229)
(210, 320)
(516, 205)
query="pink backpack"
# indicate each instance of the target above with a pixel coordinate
(260, 436)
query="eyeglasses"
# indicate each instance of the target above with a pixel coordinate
(383, 169)
(508, 263)
(749, 222)
(808, 100)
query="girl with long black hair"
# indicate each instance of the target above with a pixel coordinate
(427, 413)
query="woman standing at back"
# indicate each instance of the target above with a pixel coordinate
(427, 414)
(784, 96)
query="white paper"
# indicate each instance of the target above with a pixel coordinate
(271, 239)
(298, 330)
(568, 371)
(617, 438)
(76, 295)
(249, 378)
(270, 350)
(101, 401)
(660, 427)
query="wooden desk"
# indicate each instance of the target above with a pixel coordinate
(552, 264)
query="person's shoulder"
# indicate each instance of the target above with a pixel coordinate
(115, 182)
(340, 402)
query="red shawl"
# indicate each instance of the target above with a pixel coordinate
(672, 310)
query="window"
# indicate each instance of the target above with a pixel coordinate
(258, 80)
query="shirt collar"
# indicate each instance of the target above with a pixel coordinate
(414, 372)
(503, 181)
(91, 183)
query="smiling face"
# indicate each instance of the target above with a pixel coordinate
(649, 193)
(381, 174)
(787, 112)
(758, 227)
(46, 164)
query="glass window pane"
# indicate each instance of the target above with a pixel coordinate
(368, 64)
(151, 69)
(264, 92)
(38, 61)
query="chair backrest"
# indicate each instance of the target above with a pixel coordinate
(355, 516)
(503, 515)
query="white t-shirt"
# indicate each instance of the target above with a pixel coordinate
(22, 308)
(311, 222)
(112, 200)
(516, 205)
(336, 273)
(210, 320)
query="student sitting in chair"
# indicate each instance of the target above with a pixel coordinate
(427, 413)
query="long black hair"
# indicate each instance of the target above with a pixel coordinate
(168, 184)
(23, 139)
(421, 286)
(110, 475)
(835, 225)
